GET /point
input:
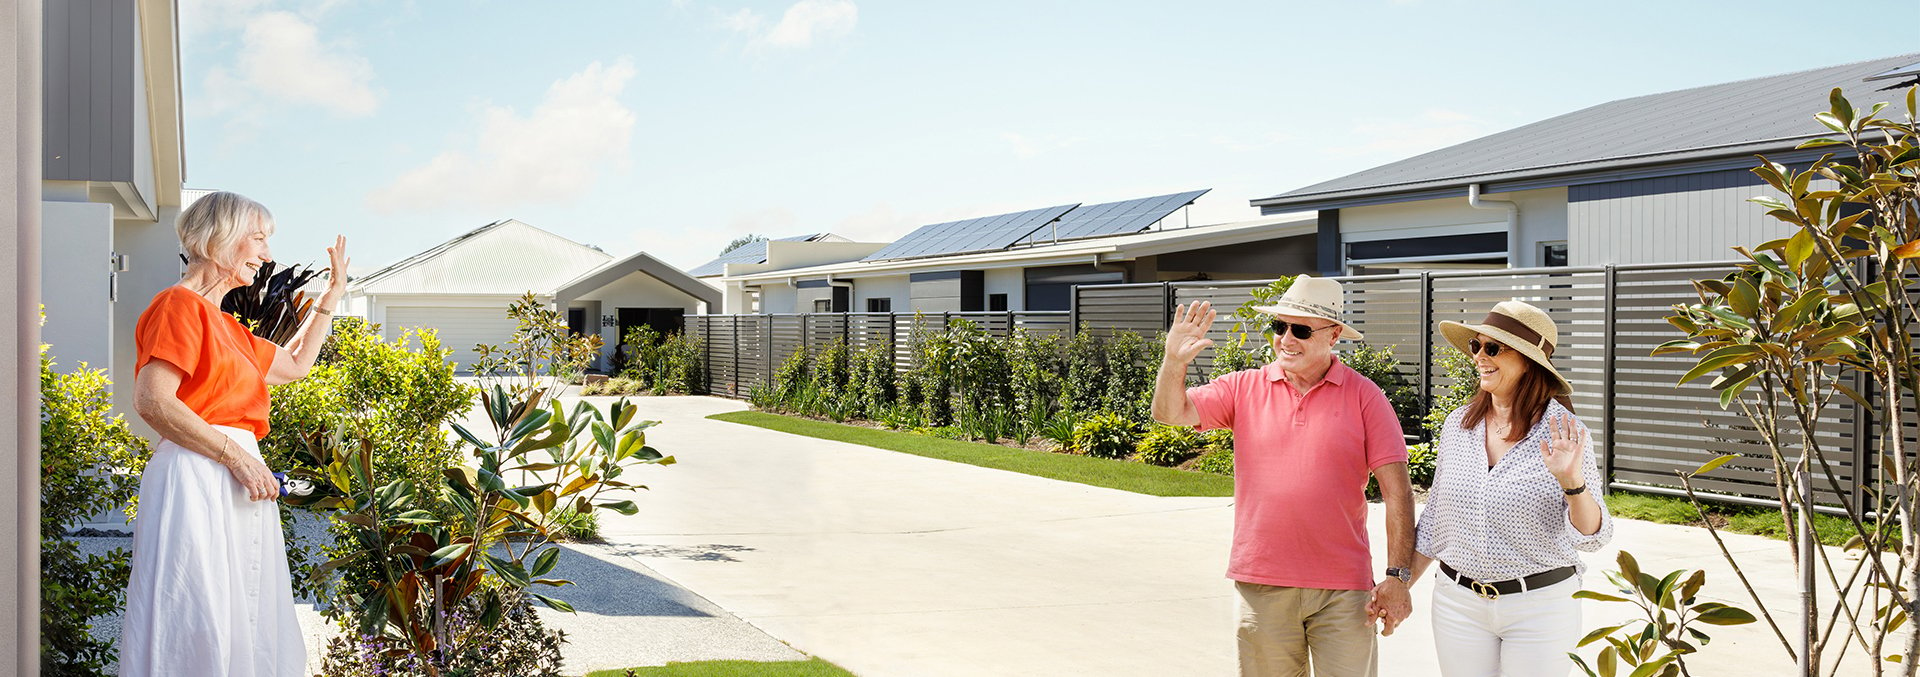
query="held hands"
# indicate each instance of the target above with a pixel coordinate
(1389, 603)
(1188, 335)
(1565, 450)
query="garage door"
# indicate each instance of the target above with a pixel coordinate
(460, 328)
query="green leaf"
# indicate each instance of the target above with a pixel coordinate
(1799, 247)
(469, 437)
(1715, 463)
(553, 603)
(509, 571)
(1841, 108)
(1589, 594)
(545, 562)
(1725, 615)
(1600, 632)
(1666, 589)
(1692, 586)
(1609, 662)
(603, 435)
(1629, 568)
(416, 517)
(449, 555)
(622, 507)
(491, 612)
(1724, 356)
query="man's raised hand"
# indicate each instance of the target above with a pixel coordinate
(1188, 335)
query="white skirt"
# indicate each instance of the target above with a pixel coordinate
(210, 593)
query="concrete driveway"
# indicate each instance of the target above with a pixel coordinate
(891, 564)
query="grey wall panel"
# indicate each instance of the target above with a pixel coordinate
(92, 94)
(1691, 217)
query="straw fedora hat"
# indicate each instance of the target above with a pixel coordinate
(1313, 297)
(1518, 326)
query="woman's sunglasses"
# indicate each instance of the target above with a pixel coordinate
(1300, 331)
(1475, 345)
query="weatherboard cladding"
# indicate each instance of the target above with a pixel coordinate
(1725, 119)
(1691, 217)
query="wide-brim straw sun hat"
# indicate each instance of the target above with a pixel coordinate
(1313, 297)
(1520, 327)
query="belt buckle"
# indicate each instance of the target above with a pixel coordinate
(1485, 591)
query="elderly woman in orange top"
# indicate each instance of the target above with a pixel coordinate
(210, 593)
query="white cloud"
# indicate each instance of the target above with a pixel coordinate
(281, 58)
(1432, 129)
(805, 23)
(553, 154)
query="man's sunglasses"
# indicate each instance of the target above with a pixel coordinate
(1300, 331)
(1475, 345)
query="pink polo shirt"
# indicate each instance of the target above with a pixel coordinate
(1300, 468)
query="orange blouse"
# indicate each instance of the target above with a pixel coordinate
(225, 365)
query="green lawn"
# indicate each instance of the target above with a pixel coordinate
(1124, 475)
(807, 668)
(1831, 529)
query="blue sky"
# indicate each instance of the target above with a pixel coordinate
(674, 126)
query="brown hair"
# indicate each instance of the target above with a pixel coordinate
(1530, 397)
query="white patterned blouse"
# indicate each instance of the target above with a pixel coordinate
(1508, 521)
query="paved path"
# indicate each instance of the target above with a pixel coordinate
(891, 564)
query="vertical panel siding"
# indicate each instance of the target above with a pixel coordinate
(88, 128)
(1668, 219)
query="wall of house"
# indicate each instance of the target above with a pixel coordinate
(1543, 218)
(1691, 217)
(892, 287)
(1009, 281)
(76, 245)
(778, 297)
(1253, 260)
(153, 264)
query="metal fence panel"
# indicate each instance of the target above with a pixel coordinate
(1645, 425)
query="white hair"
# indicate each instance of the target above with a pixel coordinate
(210, 228)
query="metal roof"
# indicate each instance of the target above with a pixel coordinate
(1730, 119)
(503, 257)
(751, 252)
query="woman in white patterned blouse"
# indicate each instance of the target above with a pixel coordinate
(1513, 498)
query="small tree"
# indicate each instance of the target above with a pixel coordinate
(1814, 317)
(541, 355)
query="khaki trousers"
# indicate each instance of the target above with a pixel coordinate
(1281, 629)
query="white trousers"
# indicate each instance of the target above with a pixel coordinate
(1521, 635)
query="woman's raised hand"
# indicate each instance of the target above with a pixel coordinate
(337, 266)
(1188, 335)
(1566, 447)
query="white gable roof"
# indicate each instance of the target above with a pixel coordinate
(503, 257)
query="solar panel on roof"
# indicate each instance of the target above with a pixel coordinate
(1112, 218)
(986, 233)
(1908, 70)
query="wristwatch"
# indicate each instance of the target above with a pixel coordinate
(1404, 574)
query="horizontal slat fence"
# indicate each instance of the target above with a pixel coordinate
(1645, 425)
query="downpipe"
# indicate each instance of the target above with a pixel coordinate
(1513, 220)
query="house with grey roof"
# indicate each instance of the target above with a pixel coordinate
(1019, 261)
(1649, 179)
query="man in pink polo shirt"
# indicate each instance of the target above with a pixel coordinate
(1307, 431)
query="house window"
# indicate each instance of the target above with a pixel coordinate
(996, 302)
(880, 305)
(1553, 254)
(822, 306)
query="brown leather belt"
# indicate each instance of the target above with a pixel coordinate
(1518, 585)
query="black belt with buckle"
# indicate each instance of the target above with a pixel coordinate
(1495, 590)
